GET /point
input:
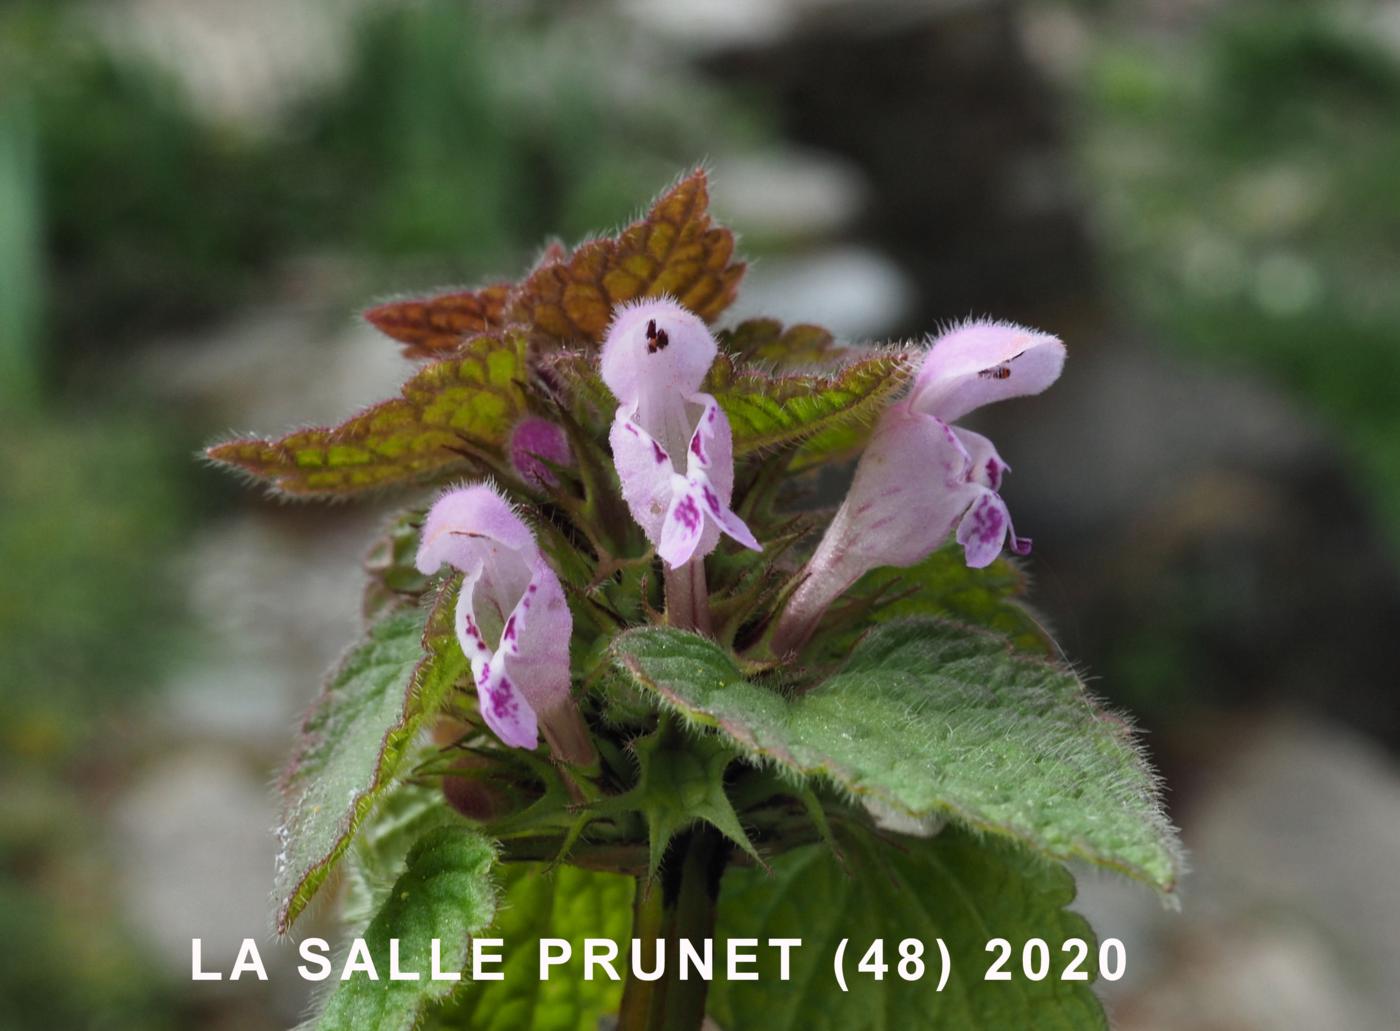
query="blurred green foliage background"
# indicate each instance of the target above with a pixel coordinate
(1247, 191)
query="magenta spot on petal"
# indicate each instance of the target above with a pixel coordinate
(534, 588)
(1020, 545)
(630, 428)
(994, 473)
(711, 499)
(697, 448)
(658, 453)
(988, 524)
(688, 513)
(508, 634)
(469, 625)
(714, 411)
(503, 703)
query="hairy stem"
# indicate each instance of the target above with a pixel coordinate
(681, 904)
(687, 597)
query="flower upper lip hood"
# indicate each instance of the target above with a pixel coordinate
(512, 620)
(671, 443)
(920, 478)
(977, 363)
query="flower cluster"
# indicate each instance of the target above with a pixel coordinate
(919, 481)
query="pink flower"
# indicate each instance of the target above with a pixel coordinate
(533, 445)
(512, 620)
(920, 478)
(671, 443)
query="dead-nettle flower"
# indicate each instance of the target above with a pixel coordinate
(512, 620)
(671, 443)
(921, 478)
(533, 446)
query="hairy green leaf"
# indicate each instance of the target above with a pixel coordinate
(768, 411)
(933, 720)
(473, 398)
(680, 781)
(954, 887)
(943, 585)
(768, 341)
(354, 741)
(446, 894)
(564, 902)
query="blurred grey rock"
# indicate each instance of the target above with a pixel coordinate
(1127, 424)
(194, 856)
(855, 292)
(1288, 916)
(277, 367)
(242, 61)
(786, 196)
(276, 601)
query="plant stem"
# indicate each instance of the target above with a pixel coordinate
(680, 904)
(687, 597)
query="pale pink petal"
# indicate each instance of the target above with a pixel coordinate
(711, 447)
(683, 526)
(985, 466)
(985, 527)
(462, 521)
(535, 639)
(981, 362)
(504, 707)
(645, 471)
(512, 620)
(910, 489)
(655, 347)
(535, 652)
(469, 633)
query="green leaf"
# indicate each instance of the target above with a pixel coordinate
(473, 398)
(393, 579)
(769, 411)
(768, 341)
(354, 741)
(378, 854)
(954, 887)
(680, 781)
(538, 902)
(943, 585)
(444, 893)
(930, 720)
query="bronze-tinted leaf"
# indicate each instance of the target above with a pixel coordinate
(433, 327)
(674, 250)
(476, 397)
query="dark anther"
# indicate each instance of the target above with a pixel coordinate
(656, 338)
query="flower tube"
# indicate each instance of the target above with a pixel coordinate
(921, 478)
